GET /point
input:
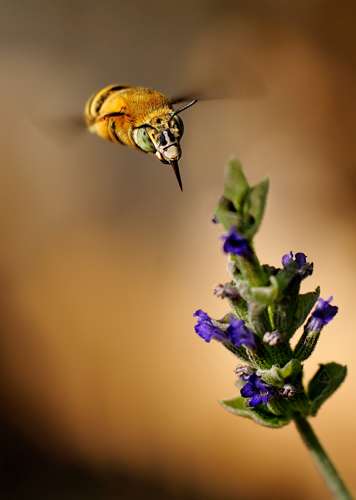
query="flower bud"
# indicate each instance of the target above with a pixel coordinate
(298, 262)
(272, 338)
(287, 391)
(244, 371)
(228, 290)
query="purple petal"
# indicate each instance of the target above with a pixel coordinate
(206, 329)
(248, 390)
(236, 244)
(201, 315)
(266, 397)
(260, 385)
(240, 335)
(287, 259)
(300, 259)
(322, 315)
(255, 400)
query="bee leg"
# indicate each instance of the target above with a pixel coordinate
(110, 115)
(110, 129)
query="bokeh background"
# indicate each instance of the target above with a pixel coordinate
(106, 392)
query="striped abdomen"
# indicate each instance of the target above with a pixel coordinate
(105, 116)
(96, 102)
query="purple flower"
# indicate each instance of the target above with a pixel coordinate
(299, 262)
(206, 329)
(300, 259)
(237, 333)
(322, 315)
(236, 244)
(257, 391)
(240, 335)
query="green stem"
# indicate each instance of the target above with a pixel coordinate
(326, 467)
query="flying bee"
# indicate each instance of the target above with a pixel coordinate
(140, 118)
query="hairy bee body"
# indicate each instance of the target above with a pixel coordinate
(137, 117)
(113, 112)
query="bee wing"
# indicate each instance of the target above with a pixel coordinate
(61, 128)
(216, 82)
(219, 92)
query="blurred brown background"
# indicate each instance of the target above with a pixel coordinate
(106, 392)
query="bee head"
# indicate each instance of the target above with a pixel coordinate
(166, 134)
(162, 135)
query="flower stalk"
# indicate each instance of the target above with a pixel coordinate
(323, 462)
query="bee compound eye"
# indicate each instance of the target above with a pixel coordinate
(178, 126)
(142, 140)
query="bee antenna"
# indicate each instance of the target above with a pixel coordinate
(183, 108)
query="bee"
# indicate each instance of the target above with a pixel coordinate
(140, 118)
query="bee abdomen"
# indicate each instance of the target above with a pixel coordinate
(96, 102)
(113, 133)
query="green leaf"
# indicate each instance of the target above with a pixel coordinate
(279, 407)
(239, 307)
(243, 288)
(272, 376)
(241, 206)
(251, 270)
(276, 376)
(324, 383)
(239, 406)
(236, 185)
(257, 318)
(306, 345)
(305, 304)
(292, 368)
(254, 208)
(300, 404)
(227, 215)
(284, 278)
(280, 354)
(240, 352)
(266, 294)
